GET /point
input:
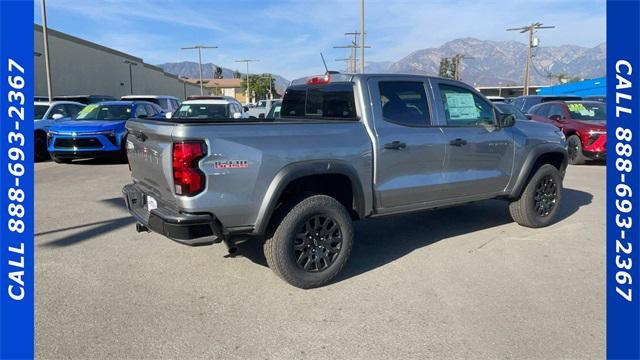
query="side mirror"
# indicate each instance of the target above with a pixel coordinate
(555, 117)
(506, 120)
(168, 115)
(261, 116)
(528, 116)
(57, 116)
(237, 115)
(246, 108)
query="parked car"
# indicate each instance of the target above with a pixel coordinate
(274, 112)
(261, 108)
(524, 103)
(345, 147)
(98, 130)
(85, 99)
(168, 104)
(47, 114)
(211, 108)
(507, 108)
(584, 123)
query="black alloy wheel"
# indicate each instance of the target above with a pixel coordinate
(318, 243)
(546, 196)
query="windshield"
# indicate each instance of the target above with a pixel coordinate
(39, 111)
(510, 109)
(202, 111)
(104, 112)
(587, 111)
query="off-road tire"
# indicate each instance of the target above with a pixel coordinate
(526, 210)
(288, 220)
(574, 148)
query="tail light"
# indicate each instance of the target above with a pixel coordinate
(319, 80)
(188, 179)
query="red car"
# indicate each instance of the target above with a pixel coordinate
(584, 123)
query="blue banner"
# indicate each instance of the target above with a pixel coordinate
(16, 179)
(623, 183)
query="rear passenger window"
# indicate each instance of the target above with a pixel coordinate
(404, 103)
(463, 107)
(332, 101)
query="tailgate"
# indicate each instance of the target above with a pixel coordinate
(149, 149)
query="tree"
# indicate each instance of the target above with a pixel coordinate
(237, 75)
(259, 84)
(446, 68)
(218, 73)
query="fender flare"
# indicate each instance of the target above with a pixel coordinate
(302, 169)
(529, 162)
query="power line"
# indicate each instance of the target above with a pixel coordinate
(531, 29)
(247, 61)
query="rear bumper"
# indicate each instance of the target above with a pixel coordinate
(185, 228)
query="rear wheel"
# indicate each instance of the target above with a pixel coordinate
(574, 150)
(312, 242)
(539, 203)
(40, 152)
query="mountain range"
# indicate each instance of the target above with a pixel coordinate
(502, 62)
(488, 63)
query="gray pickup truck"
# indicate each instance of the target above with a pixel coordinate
(345, 147)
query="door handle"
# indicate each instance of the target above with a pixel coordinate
(395, 145)
(458, 142)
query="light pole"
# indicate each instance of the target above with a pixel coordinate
(247, 61)
(184, 83)
(362, 36)
(200, 47)
(130, 63)
(43, 9)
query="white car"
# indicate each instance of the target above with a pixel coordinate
(262, 108)
(45, 115)
(167, 103)
(214, 107)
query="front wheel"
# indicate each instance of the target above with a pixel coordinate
(574, 150)
(312, 242)
(540, 200)
(61, 160)
(40, 152)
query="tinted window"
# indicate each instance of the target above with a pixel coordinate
(58, 109)
(463, 107)
(510, 109)
(39, 111)
(104, 112)
(555, 110)
(541, 110)
(519, 103)
(529, 102)
(73, 110)
(333, 101)
(202, 111)
(151, 110)
(404, 103)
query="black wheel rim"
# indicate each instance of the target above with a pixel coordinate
(572, 149)
(40, 146)
(546, 196)
(318, 243)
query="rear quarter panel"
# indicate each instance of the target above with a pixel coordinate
(244, 160)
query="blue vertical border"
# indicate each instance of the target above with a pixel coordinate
(16, 172)
(623, 182)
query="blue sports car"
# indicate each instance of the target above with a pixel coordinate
(98, 130)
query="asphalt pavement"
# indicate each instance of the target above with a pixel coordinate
(463, 282)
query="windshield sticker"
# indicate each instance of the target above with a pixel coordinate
(461, 106)
(581, 109)
(87, 109)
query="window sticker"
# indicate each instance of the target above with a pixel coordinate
(87, 109)
(581, 109)
(462, 106)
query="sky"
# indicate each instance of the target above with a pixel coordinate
(287, 36)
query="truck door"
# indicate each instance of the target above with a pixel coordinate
(409, 150)
(479, 156)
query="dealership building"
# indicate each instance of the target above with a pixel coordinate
(80, 67)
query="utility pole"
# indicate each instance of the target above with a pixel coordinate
(184, 83)
(531, 29)
(45, 36)
(247, 90)
(130, 63)
(457, 65)
(200, 47)
(362, 36)
(352, 60)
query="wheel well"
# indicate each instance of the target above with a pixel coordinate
(40, 132)
(554, 158)
(337, 186)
